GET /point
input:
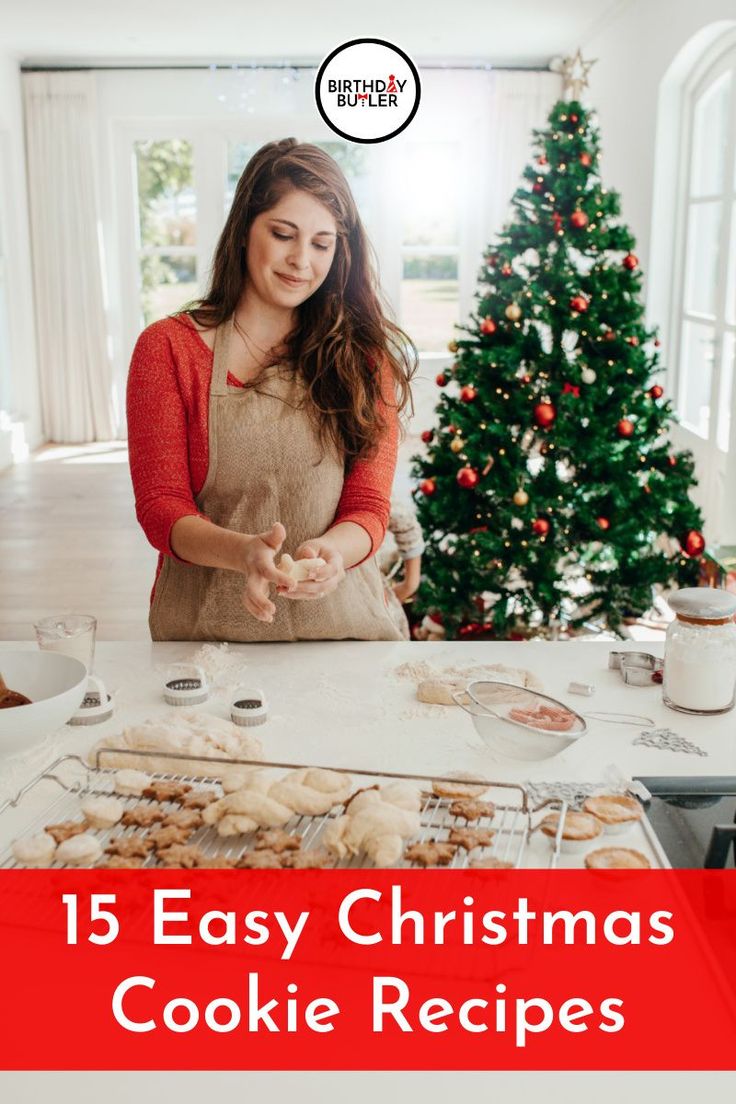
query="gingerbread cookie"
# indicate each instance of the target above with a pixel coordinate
(167, 791)
(66, 829)
(259, 860)
(142, 816)
(190, 819)
(215, 862)
(491, 863)
(198, 799)
(431, 853)
(276, 839)
(470, 838)
(316, 859)
(129, 847)
(472, 810)
(181, 855)
(119, 862)
(168, 835)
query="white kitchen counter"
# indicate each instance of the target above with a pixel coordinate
(342, 705)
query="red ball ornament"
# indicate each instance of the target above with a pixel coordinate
(468, 478)
(656, 392)
(557, 222)
(491, 259)
(542, 160)
(452, 429)
(427, 436)
(506, 270)
(538, 187)
(672, 461)
(630, 261)
(441, 379)
(625, 428)
(487, 325)
(633, 340)
(471, 629)
(579, 304)
(574, 118)
(579, 219)
(603, 523)
(540, 526)
(657, 342)
(468, 393)
(585, 159)
(694, 543)
(544, 414)
(428, 486)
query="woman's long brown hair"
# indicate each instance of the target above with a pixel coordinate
(342, 335)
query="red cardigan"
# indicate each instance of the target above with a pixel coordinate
(167, 406)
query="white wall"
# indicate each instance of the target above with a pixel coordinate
(14, 219)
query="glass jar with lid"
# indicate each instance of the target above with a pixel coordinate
(700, 651)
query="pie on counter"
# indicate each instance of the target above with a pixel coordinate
(578, 826)
(616, 858)
(613, 809)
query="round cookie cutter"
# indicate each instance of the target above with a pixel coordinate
(248, 707)
(97, 705)
(185, 684)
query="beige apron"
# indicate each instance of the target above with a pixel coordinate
(266, 464)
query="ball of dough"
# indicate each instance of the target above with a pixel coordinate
(131, 783)
(102, 812)
(36, 850)
(299, 569)
(80, 850)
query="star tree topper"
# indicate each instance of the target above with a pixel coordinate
(575, 75)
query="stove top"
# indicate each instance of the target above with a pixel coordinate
(694, 819)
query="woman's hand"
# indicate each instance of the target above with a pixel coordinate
(322, 580)
(260, 571)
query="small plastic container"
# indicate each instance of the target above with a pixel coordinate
(700, 652)
(185, 684)
(248, 707)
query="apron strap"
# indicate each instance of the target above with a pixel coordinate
(218, 384)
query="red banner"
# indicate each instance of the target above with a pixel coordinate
(368, 969)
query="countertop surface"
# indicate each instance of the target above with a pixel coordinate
(345, 704)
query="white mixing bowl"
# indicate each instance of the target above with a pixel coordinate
(55, 684)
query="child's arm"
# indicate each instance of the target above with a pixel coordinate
(409, 584)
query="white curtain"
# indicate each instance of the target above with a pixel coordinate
(75, 373)
(519, 101)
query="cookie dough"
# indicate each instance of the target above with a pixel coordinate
(102, 812)
(299, 570)
(35, 851)
(438, 689)
(131, 783)
(79, 850)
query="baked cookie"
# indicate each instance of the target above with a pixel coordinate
(102, 812)
(430, 854)
(613, 809)
(166, 791)
(491, 863)
(472, 810)
(118, 862)
(259, 860)
(130, 847)
(184, 818)
(142, 816)
(79, 850)
(470, 838)
(181, 855)
(35, 851)
(66, 829)
(457, 789)
(317, 859)
(616, 858)
(215, 862)
(168, 835)
(131, 783)
(276, 839)
(198, 799)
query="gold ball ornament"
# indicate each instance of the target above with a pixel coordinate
(513, 312)
(457, 444)
(521, 498)
(452, 346)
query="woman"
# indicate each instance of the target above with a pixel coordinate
(264, 419)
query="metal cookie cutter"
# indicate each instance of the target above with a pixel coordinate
(97, 705)
(637, 668)
(185, 684)
(248, 707)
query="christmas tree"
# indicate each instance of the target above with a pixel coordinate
(549, 491)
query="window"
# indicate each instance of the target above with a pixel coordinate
(707, 322)
(166, 226)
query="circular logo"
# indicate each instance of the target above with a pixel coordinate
(367, 90)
